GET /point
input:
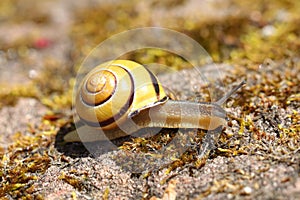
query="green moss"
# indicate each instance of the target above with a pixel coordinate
(9, 95)
(261, 40)
(25, 160)
(75, 182)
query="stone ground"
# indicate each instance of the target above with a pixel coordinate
(73, 173)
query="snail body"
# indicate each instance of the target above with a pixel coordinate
(121, 97)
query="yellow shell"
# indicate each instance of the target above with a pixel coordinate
(117, 90)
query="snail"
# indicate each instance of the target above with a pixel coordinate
(121, 97)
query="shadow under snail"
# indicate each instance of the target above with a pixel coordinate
(121, 97)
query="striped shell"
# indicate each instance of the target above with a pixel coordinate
(115, 91)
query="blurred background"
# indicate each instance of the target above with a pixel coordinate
(42, 43)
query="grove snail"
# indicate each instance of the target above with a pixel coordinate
(121, 97)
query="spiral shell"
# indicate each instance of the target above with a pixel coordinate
(115, 91)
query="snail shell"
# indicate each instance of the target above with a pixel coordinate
(116, 90)
(121, 97)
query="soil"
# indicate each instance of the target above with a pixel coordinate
(256, 156)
